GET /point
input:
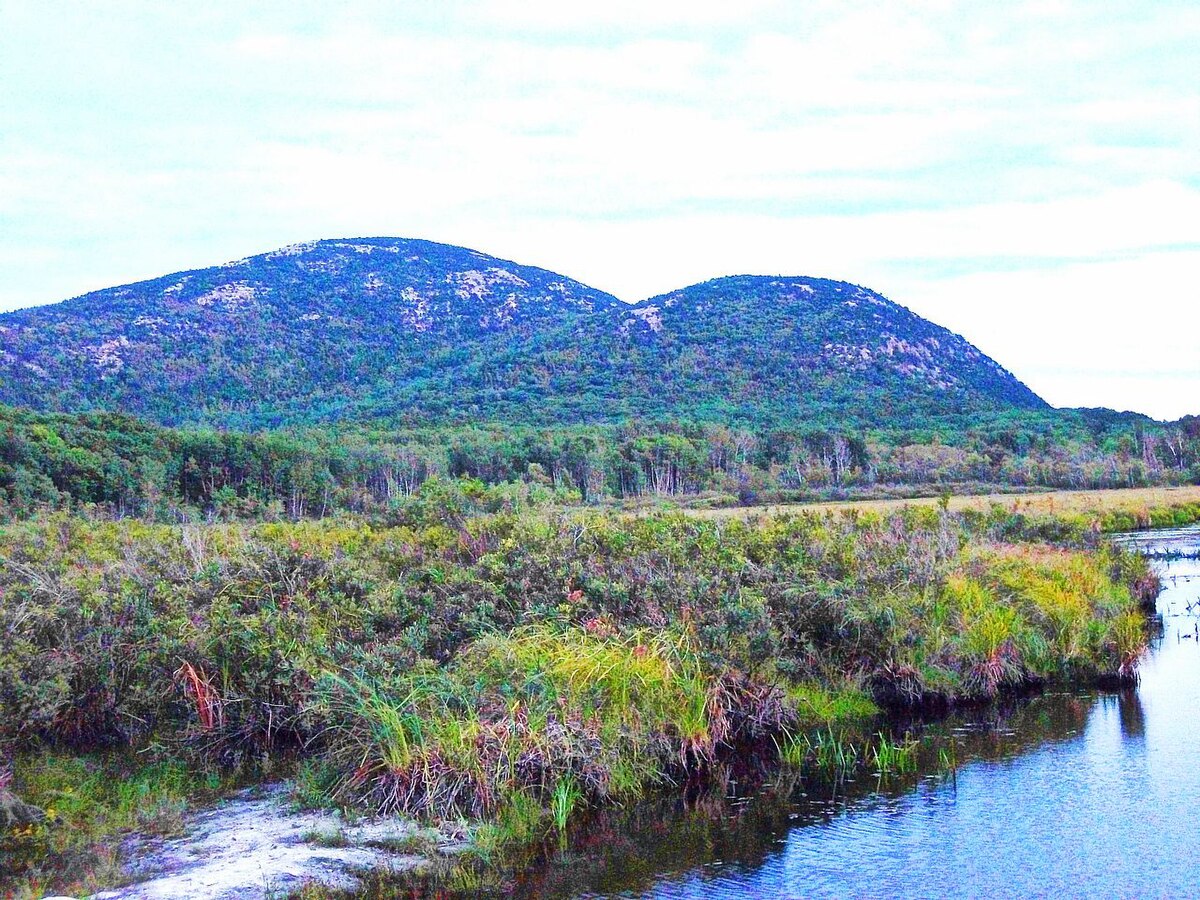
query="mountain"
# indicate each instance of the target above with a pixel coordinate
(292, 335)
(828, 347)
(418, 332)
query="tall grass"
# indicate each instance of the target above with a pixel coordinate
(557, 714)
(87, 804)
(474, 667)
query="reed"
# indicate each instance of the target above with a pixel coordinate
(893, 757)
(563, 799)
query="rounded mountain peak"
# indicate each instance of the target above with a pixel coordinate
(822, 337)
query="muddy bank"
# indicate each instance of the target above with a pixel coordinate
(255, 846)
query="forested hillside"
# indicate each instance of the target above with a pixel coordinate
(405, 332)
(119, 465)
(375, 375)
(299, 334)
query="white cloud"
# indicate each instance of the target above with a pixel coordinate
(932, 150)
(554, 16)
(1118, 334)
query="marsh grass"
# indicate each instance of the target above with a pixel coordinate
(1120, 509)
(823, 752)
(947, 762)
(893, 757)
(89, 804)
(523, 669)
(563, 798)
(834, 754)
(557, 715)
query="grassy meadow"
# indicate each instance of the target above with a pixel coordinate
(1130, 508)
(512, 669)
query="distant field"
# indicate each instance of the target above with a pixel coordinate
(1131, 499)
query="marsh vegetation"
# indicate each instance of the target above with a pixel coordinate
(511, 669)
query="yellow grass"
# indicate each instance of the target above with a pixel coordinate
(1128, 499)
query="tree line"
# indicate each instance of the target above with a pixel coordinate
(123, 466)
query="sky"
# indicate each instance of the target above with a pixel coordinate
(1026, 174)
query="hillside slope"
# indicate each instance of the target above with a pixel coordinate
(292, 335)
(829, 346)
(417, 332)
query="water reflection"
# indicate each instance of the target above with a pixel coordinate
(1133, 717)
(1075, 794)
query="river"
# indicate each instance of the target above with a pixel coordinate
(1066, 794)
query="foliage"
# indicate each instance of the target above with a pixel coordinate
(226, 636)
(114, 465)
(518, 667)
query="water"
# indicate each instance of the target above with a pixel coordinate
(1068, 794)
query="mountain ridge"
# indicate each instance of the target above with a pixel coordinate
(416, 331)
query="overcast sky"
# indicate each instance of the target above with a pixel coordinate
(1027, 174)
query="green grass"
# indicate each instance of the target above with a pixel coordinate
(817, 704)
(314, 784)
(89, 803)
(556, 714)
(829, 753)
(834, 754)
(422, 842)
(563, 799)
(893, 757)
(515, 670)
(331, 837)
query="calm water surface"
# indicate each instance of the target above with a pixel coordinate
(1068, 794)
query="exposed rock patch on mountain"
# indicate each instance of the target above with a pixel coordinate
(412, 331)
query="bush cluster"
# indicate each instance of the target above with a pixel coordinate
(225, 637)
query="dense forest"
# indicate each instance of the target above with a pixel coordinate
(116, 465)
